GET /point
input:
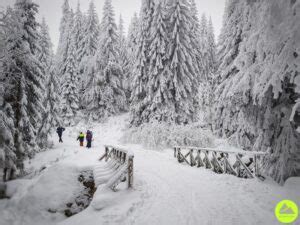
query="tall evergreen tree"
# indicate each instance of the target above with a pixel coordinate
(131, 43)
(260, 82)
(158, 99)
(123, 58)
(212, 50)
(89, 45)
(70, 91)
(208, 58)
(50, 117)
(197, 42)
(23, 90)
(64, 39)
(142, 62)
(182, 79)
(7, 126)
(111, 97)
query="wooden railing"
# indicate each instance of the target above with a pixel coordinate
(240, 164)
(121, 164)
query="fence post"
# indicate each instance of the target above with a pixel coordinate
(106, 153)
(175, 149)
(130, 171)
(192, 160)
(256, 168)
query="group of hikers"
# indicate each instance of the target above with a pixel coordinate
(88, 136)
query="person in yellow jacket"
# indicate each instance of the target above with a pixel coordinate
(81, 139)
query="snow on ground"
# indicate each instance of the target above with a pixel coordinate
(165, 191)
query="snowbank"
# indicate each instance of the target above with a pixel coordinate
(162, 135)
(40, 200)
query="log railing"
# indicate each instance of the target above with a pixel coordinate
(240, 164)
(122, 163)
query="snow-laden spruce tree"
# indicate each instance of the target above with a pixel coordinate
(64, 39)
(24, 73)
(158, 102)
(89, 45)
(123, 58)
(140, 69)
(212, 49)
(77, 38)
(132, 37)
(259, 87)
(208, 70)
(197, 42)
(182, 80)
(90, 35)
(131, 43)
(110, 97)
(51, 116)
(7, 149)
(70, 82)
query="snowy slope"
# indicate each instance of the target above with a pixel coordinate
(165, 192)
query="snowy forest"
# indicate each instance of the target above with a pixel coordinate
(167, 70)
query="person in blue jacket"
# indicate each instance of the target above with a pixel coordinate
(60, 131)
(89, 138)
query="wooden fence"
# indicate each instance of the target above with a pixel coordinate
(240, 164)
(121, 164)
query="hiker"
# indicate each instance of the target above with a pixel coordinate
(60, 131)
(81, 139)
(89, 137)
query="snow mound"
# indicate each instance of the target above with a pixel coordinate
(40, 197)
(292, 183)
(163, 135)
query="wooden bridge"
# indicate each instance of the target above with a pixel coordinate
(118, 168)
(240, 164)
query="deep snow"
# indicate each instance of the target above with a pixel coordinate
(164, 192)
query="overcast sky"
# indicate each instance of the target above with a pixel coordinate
(51, 10)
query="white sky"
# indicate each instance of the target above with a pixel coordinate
(51, 10)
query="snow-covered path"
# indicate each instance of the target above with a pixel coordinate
(177, 194)
(165, 192)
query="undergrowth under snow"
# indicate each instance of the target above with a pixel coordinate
(162, 135)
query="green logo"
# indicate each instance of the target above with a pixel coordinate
(286, 211)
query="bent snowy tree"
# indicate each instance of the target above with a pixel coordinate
(259, 82)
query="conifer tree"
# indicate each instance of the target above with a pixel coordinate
(70, 95)
(50, 117)
(158, 103)
(7, 127)
(23, 89)
(89, 45)
(123, 58)
(64, 38)
(141, 68)
(110, 98)
(260, 83)
(131, 43)
(182, 79)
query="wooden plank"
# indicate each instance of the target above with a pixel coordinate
(218, 150)
(130, 172)
(208, 164)
(245, 167)
(228, 165)
(217, 162)
(199, 160)
(192, 159)
(184, 157)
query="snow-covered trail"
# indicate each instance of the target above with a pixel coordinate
(165, 192)
(179, 194)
